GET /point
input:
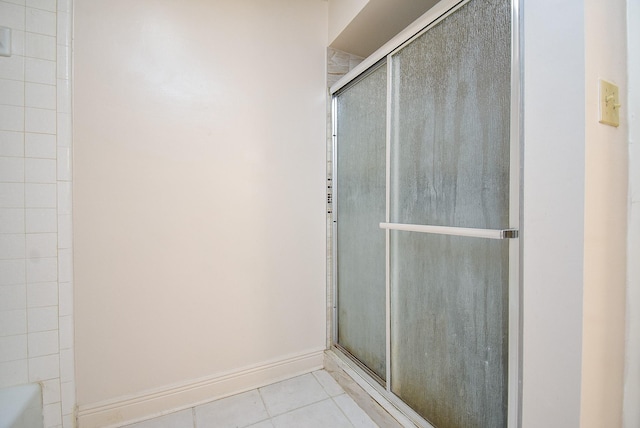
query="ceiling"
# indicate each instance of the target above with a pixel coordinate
(377, 23)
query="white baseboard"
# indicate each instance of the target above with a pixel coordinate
(150, 404)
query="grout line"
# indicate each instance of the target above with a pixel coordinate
(193, 417)
(24, 168)
(264, 403)
(342, 411)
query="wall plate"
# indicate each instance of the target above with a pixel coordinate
(609, 104)
(5, 41)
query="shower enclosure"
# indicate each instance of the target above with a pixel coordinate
(426, 217)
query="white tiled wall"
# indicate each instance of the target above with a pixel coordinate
(36, 289)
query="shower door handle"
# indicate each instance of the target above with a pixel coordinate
(453, 231)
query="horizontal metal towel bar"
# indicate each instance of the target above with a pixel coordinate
(453, 231)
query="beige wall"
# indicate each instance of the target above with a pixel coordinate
(605, 220)
(341, 13)
(199, 189)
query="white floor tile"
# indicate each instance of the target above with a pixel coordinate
(291, 394)
(356, 415)
(237, 411)
(300, 402)
(328, 383)
(182, 419)
(324, 414)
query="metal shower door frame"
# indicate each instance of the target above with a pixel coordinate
(515, 230)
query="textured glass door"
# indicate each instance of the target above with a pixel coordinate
(449, 154)
(360, 183)
(426, 166)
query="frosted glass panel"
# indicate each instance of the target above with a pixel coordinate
(450, 153)
(450, 121)
(360, 208)
(449, 328)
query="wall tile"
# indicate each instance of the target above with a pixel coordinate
(63, 65)
(64, 6)
(65, 299)
(64, 29)
(42, 319)
(40, 171)
(65, 234)
(49, 5)
(44, 368)
(42, 294)
(40, 120)
(42, 270)
(12, 195)
(43, 343)
(12, 16)
(11, 143)
(11, 118)
(41, 22)
(65, 326)
(68, 397)
(20, 2)
(12, 246)
(64, 164)
(40, 195)
(65, 265)
(40, 46)
(13, 373)
(40, 96)
(64, 197)
(12, 67)
(68, 420)
(41, 307)
(13, 322)
(66, 365)
(11, 170)
(51, 391)
(40, 146)
(41, 220)
(52, 415)
(64, 130)
(41, 245)
(40, 71)
(64, 96)
(11, 92)
(13, 348)
(12, 272)
(12, 297)
(12, 220)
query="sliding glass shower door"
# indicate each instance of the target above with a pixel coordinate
(361, 122)
(426, 237)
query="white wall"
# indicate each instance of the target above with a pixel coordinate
(553, 225)
(36, 303)
(631, 411)
(605, 219)
(199, 196)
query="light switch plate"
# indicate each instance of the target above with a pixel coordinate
(609, 104)
(5, 41)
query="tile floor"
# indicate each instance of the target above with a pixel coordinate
(313, 400)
